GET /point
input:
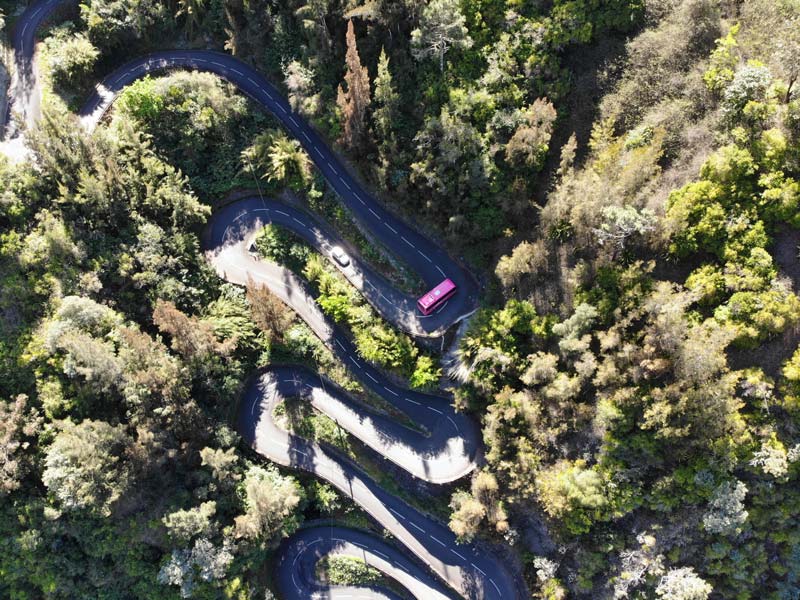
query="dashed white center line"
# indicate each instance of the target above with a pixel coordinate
(339, 343)
(494, 584)
(479, 569)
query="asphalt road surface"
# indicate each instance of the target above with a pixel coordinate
(24, 93)
(452, 447)
(304, 549)
(421, 254)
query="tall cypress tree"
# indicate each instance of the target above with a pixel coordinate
(354, 100)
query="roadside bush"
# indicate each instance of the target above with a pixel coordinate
(70, 56)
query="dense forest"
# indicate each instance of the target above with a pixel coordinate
(623, 175)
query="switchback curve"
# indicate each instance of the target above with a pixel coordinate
(474, 573)
(421, 254)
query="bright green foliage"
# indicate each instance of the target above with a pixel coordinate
(699, 218)
(376, 341)
(183, 525)
(499, 339)
(85, 466)
(574, 494)
(426, 373)
(616, 397)
(70, 56)
(379, 344)
(759, 315)
(791, 381)
(347, 570)
(198, 124)
(741, 196)
(282, 247)
(270, 501)
(283, 161)
(723, 61)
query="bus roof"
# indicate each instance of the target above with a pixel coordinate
(440, 290)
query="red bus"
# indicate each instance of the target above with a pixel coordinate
(436, 297)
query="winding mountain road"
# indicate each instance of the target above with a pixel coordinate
(423, 256)
(452, 447)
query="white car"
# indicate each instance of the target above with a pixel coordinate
(340, 256)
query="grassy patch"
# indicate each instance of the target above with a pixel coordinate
(347, 570)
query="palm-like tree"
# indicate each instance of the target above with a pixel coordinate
(288, 162)
(278, 158)
(257, 155)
